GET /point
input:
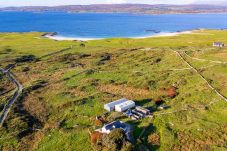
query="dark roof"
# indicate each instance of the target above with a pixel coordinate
(218, 43)
(116, 124)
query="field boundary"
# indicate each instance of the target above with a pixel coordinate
(209, 85)
(214, 89)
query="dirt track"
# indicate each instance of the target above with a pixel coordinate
(17, 93)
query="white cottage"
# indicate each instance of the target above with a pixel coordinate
(218, 44)
(116, 124)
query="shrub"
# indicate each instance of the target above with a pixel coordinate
(37, 85)
(105, 57)
(114, 140)
(172, 92)
(154, 139)
(26, 58)
(152, 85)
(95, 137)
(98, 122)
(90, 71)
(159, 101)
(84, 55)
(82, 45)
(1, 76)
(158, 60)
(25, 69)
(127, 147)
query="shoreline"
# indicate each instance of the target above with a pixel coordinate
(166, 34)
(64, 38)
(113, 12)
(57, 37)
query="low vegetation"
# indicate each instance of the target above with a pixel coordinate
(114, 141)
(64, 91)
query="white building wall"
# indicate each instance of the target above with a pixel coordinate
(111, 106)
(124, 106)
(108, 107)
(104, 130)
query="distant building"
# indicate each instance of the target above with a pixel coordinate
(116, 124)
(124, 106)
(111, 106)
(218, 44)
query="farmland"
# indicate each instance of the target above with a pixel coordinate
(65, 90)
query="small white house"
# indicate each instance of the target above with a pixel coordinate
(218, 44)
(125, 106)
(111, 106)
(116, 124)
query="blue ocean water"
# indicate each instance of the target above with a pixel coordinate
(98, 25)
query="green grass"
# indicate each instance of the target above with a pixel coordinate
(75, 95)
(78, 140)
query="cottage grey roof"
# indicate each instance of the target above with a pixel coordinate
(116, 124)
(218, 43)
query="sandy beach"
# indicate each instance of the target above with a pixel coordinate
(61, 38)
(164, 34)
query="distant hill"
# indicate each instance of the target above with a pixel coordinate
(127, 8)
(219, 3)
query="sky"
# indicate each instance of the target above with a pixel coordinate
(6, 3)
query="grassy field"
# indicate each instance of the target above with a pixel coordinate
(65, 91)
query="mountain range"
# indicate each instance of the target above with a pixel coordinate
(220, 3)
(127, 8)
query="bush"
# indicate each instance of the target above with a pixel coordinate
(98, 122)
(158, 60)
(104, 58)
(159, 101)
(26, 58)
(127, 147)
(1, 76)
(25, 69)
(37, 84)
(84, 55)
(82, 45)
(95, 137)
(172, 92)
(90, 71)
(154, 139)
(115, 140)
(152, 85)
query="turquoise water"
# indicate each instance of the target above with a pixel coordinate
(97, 25)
